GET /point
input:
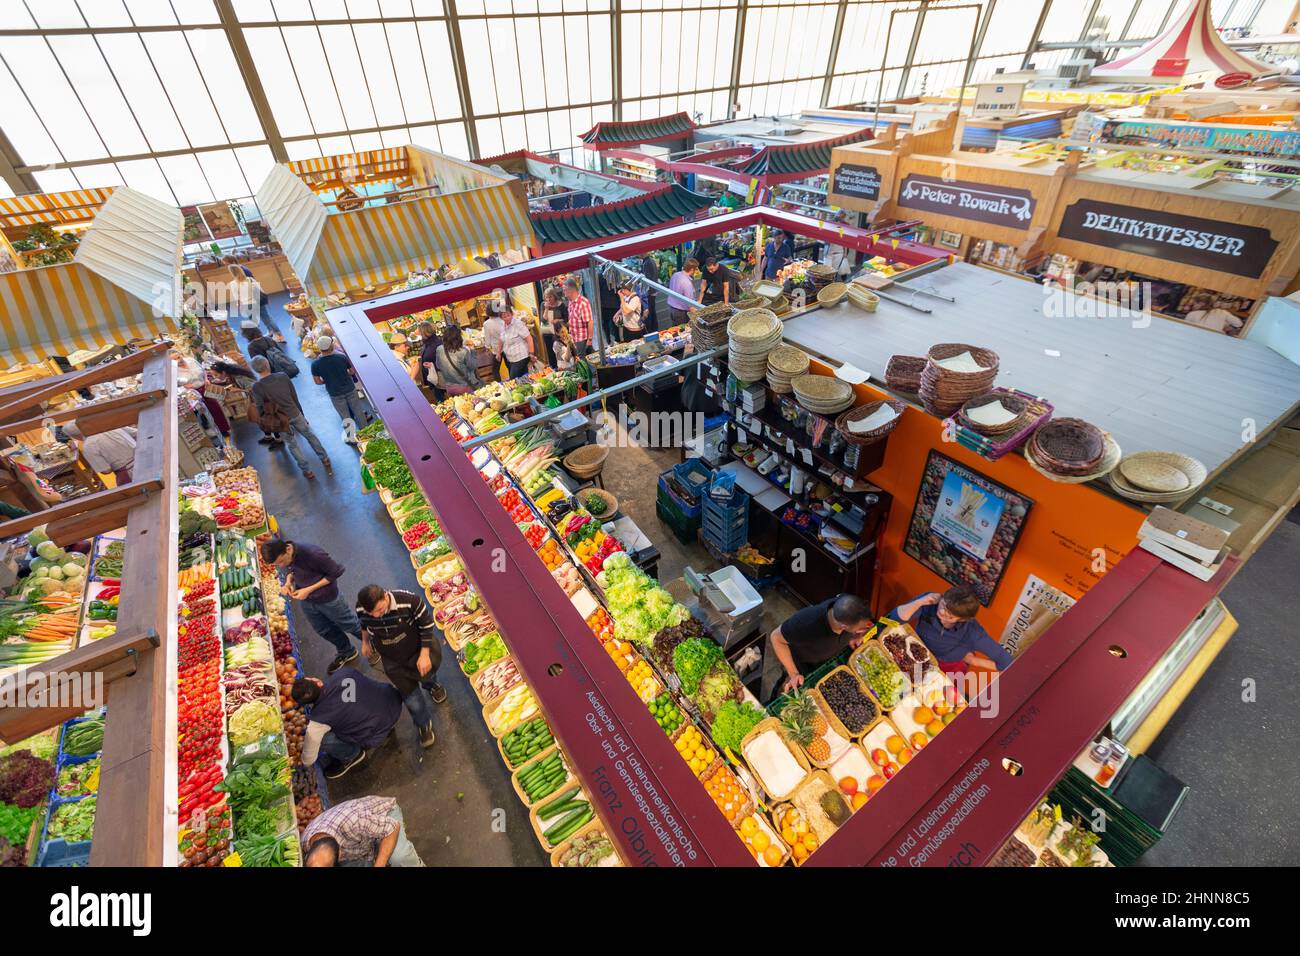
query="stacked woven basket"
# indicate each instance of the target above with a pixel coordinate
(1157, 477)
(751, 335)
(709, 326)
(903, 373)
(1071, 450)
(994, 414)
(783, 363)
(862, 297)
(849, 423)
(945, 388)
(823, 394)
(821, 275)
(586, 462)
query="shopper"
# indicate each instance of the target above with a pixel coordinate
(311, 579)
(494, 325)
(579, 310)
(946, 623)
(810, 637)
(279, 410)
(369, 831)
(553, 313)
(516, 345)
(351, 714)
(247, 300)
(107, 453)
(777, 254)
(629, 320)
(649, 315)
(683, 284)
(565, 350)
(397, 626)
(333, 370)
(717, 282)
(429, 342)
(456, 369)
(401, 347)
(259, 343)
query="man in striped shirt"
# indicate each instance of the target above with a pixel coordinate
(399, 626)
(579, 317)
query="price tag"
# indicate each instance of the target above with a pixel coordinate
(789, 446)
(835, 506)
(807, 456)
(232, 860)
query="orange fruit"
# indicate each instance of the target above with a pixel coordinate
(919, 740)
(934, 726)
(948, 718)
(895, 743)
(810, 841)
(772, 856)
(788, 835)
(859, 800)
(761, 841)
(940, 708)
(875, 782)
(923, 715)
(848, 785)
(903, 756)
(800, 852)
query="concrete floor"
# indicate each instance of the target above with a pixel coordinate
(1240, 759)
(459, 806)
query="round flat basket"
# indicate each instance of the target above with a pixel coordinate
(1162, 472)
(903, 373)
(823, 394)
(788, 360)
(1016, 408)
(611, 503)
(753, 325)
(1109, 459)
(1069, 446)
(862, 413)
(1122, 488)
(833, 293)
(585, 462)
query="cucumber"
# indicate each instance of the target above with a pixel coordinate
(560, 831)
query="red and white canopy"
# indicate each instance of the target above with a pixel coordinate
(1189, 47)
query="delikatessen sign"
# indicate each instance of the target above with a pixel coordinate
(994, 205)
(1205, 243)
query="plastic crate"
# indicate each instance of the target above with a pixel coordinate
(694, 474)
(725, 541)
(684, 528)
(671, 500)
(59, 852)
(726, 524)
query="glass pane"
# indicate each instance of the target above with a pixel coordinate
(478, 64)
(514, 135)
(172, 58)
(222, 171)
(93, 81)
(97, 176)
(531, 74)
(144, 175)
(52, 14)
(225, 84)
(1011, 26)
(253, 10)
(151, 13)
(363, 141)
(256, 162)
(97, 13)
(504, 66)
(578, 52)
(439, 69)
(278, 80)
(490, 142)
(349, 78)
(186, 179)
(51, 97)
(313, 78)
(55, 180)
(195, 11)
(286, 10)
(378, 62)
(14, 16)
(454, 139)
(302, 149)
(411, 79)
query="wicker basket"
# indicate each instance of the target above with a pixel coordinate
(867, 647)
(587, 461)
(1068, 446)
(569, 781)
(584, 830)
(540, 826)
(944, 390)
(1162, 472)
(866, 692)
(863, 412)
(862, 297)
(611, 503)
(1011, 402)
(832, 294)
(903, 373)
(774, 725)
(1109, 459)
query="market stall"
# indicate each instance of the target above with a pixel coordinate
(614, 736)
(349, 234)
(1236, 239)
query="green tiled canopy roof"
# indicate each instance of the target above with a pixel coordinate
(591, 223)
(792, 158)
(611, 135)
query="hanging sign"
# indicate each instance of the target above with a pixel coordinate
(863, 182)
(1221, 246)
(995, 205)
(998, 99)
(1039, 607)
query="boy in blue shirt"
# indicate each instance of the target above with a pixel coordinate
(946, 623)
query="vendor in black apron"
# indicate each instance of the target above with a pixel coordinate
(810, 637)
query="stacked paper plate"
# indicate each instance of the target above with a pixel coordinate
(783, 363)
(751, 335)
(823, 394)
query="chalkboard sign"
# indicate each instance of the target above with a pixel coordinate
(862, 182)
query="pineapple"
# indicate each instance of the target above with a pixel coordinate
(801, 719)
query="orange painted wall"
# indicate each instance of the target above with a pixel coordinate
(1064, 525)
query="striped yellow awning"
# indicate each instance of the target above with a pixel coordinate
(369, 163)
(120, 286)
(336, 251)
(65, 208)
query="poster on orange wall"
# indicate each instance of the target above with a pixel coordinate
(1039, 607)
(965, 525)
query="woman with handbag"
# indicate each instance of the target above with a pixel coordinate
(455, 365)
(630, 317)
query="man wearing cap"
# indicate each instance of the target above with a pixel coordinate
(333, 370)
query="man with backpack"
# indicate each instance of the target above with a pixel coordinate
(259, 343)
(279, 411)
